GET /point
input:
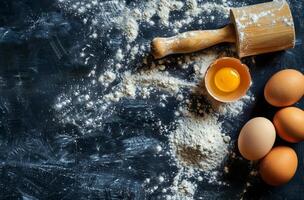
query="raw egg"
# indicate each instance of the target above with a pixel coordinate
(279, 165)
(256, 138)
(289, 123)
(284, 88)
(227, 79)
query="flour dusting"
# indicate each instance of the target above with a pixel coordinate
(197, 142)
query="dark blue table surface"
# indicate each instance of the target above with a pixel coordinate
(41, 158)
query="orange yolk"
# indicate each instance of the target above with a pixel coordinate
(227, 79)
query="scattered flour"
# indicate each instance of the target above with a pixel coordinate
(128, 18)
(185, 190)
(119, 55)
(199, 144)
(130, 28)
(145, 82)
(107, 78)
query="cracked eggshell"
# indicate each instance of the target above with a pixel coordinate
(245, 79)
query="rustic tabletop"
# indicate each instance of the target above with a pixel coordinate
(48, 51)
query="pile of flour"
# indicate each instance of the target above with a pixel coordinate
(198, 142)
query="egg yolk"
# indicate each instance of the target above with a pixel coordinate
(227, 79)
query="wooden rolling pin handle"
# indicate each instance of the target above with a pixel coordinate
(192, 41)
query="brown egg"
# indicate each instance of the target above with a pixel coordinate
(256, 138)
(279, 165)
(227, 79)
(284, 88)
(289, 123)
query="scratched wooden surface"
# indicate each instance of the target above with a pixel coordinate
(43, 159)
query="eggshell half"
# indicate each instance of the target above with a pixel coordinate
(245, 79)
(256, 138)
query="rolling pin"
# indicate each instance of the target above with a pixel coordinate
(256, 29)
